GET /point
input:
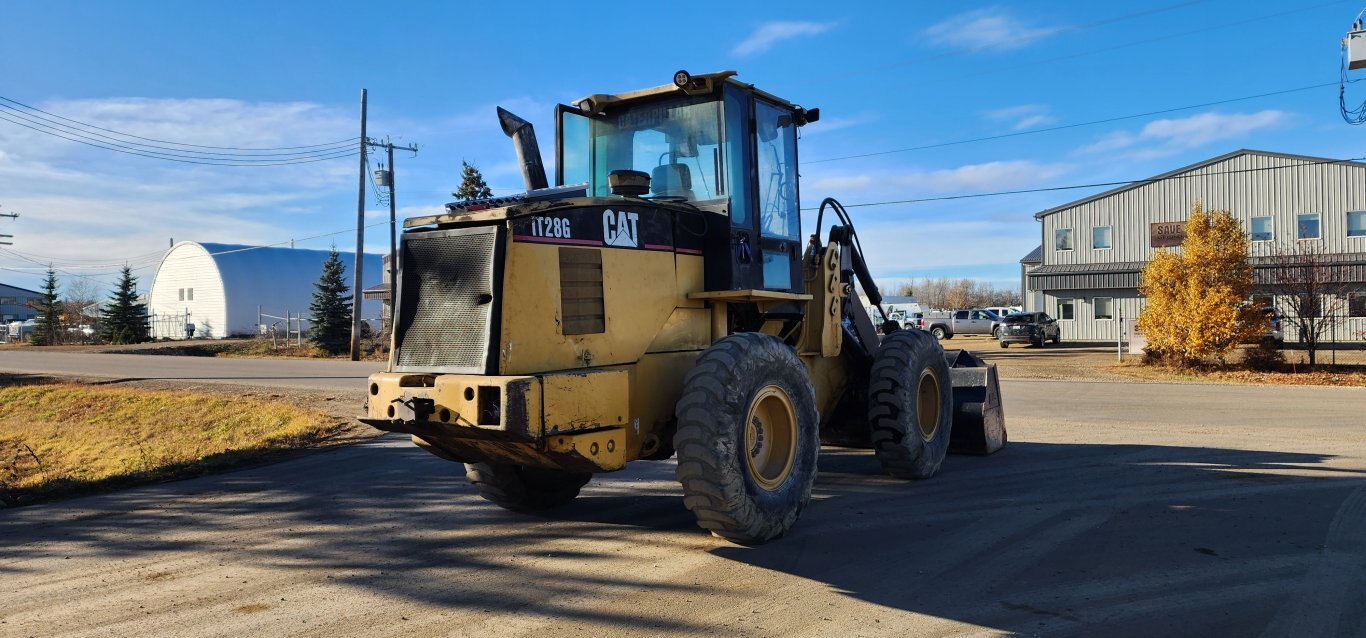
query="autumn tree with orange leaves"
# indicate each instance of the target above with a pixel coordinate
(1197, 298)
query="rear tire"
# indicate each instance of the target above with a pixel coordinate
(910, 405)
(525, 489)
(938, 332)
(747, 438)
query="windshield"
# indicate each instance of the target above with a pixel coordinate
(676, 141)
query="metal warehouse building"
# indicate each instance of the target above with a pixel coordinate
(220, 288)
(16, 303)
(1086, 270)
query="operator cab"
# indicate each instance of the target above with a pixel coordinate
(725, 148)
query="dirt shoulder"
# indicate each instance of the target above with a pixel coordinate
(1101, 362)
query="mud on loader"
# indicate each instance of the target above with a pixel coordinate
(658, 301)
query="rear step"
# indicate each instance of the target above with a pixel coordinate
(979, 425)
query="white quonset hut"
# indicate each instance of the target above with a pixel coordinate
(219, 288)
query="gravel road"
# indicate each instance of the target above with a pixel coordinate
(1118, 509)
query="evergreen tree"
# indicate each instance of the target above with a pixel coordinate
(472, 184)
(48, 324)
(124, 320)
(331, 308)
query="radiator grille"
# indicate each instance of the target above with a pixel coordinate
(581, 291)
(447, 301)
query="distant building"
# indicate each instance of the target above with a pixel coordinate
(15, 303)
(1086, 271)
(220, 288)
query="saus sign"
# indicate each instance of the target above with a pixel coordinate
(640, 229)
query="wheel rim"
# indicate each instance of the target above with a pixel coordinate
(927, 405)
(770, 437)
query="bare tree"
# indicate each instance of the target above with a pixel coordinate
(945, 293)
(1311, 288)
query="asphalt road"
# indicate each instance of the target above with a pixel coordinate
(298, 373)
(1117, 509)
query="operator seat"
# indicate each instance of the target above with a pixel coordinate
(671, 180)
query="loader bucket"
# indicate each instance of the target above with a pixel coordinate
(979, 425)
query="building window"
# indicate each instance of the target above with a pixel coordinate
(1307, 226)
(1100, 238)
(1062, 239)
(182, 294)
(1356, 223)
(1105, 307)
(1261, 229)
(189, 294)
(1065, 310)
(9, 301)
(1356, 304)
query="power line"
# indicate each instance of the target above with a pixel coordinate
(50, 124)
(179, 158)
(1071, 126)
(1150, 180)
(149, 139)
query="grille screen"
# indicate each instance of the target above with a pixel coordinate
(447, 300)
(581, 291)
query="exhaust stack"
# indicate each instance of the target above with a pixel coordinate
(528, 152)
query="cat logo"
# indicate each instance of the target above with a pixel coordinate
(619, 229)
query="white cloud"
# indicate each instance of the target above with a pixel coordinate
(1023, 116)
(771, 33)
(836, 123)
(1168, 136)
(986, 176)
(85, 205)
(982, 29)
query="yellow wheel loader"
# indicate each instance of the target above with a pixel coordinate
(658, 300)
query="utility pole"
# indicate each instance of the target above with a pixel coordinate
(11, 216)
(386, 178)
(357, 297)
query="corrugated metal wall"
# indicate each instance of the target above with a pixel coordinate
(1328, 189)
(1295, 186)
(1084, 326)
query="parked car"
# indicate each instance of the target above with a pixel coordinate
(1274, 331)
(1029, 327)
(939, 324)
(1004, 311)
(947, 324)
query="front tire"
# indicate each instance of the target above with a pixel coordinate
(525, 489)
(910, 404)
(747, 438)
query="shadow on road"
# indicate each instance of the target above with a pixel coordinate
(1041, 538)
(1084, 539)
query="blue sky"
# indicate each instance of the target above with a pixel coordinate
(886, 76)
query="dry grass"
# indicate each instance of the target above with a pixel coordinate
(1353, 375)
(57, 439)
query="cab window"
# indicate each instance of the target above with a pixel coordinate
(676, 141)
(776, 161)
